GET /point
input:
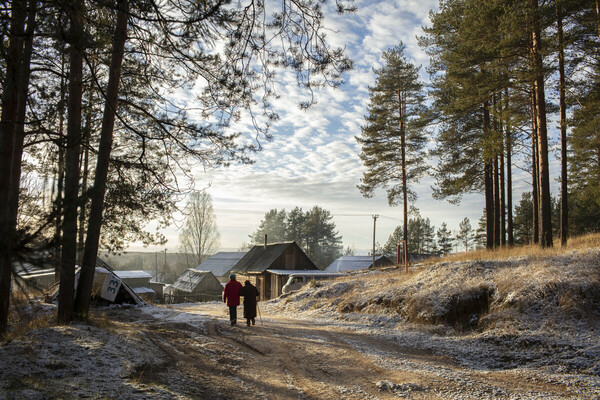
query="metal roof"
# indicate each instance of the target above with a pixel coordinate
(356, 263)
(142, 290)
(221, 263)
(261, 257)
(136, 274)
(301, 272)
(190, 279)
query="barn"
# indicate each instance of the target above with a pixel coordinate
(255, 266)
(357, 263)
(194, 286)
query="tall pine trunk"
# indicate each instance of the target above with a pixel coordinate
(68, 259)
(497, 211)
(498, 175)
(99, 189)
(509, 206)
(12, 135)
(542, 138)
(534, 172)
(87, 133)
(401, 109)
(564, 208)
(488, 179)
(60, 173)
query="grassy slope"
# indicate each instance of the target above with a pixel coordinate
(519, 298)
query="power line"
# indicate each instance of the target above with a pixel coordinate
(256, 212)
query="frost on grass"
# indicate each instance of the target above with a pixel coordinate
(79, 360)
(73, 361)
(533, 311)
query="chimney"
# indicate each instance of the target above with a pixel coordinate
(265, 240)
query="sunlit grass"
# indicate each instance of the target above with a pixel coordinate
(21, 322)
(503, 253)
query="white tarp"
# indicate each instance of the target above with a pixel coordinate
(110, 287)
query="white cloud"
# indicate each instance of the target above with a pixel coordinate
(313, 159)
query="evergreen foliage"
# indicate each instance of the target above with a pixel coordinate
(393, 139)
(313, 230)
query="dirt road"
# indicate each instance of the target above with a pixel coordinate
(283, 358)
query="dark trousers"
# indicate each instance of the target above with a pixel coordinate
(233, 314)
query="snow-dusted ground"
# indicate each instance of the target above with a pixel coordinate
(543, 314)
(538, 338)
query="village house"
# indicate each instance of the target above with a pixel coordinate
(357, 263)
(265, 266)
(194, 286)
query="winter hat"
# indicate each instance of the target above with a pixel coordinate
(232, 276)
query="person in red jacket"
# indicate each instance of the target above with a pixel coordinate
(231, 296)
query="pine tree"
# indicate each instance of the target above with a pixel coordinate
(392, 139)
(465, 233)
(524, 220)
(273, 225)
(444, 239)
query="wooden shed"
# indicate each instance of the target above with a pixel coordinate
(139, 282)
(194, 286)
(255, 264)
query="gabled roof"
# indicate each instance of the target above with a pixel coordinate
(221, 263)
(190, 279)
(356, 263)
(261, 258)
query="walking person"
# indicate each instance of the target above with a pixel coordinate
(250, 293)
(231, 296)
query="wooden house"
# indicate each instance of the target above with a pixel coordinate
(194, 286)
(255, 266)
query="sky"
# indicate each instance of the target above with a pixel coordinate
(313, 159)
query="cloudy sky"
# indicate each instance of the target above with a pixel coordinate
(313, 159)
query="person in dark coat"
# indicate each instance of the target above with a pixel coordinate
(231, 296)
(250, 293)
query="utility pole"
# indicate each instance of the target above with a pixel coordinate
(165, 264)
(375, 216)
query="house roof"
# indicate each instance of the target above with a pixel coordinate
(356, 263)
(221, 263)
(261, 257)
(137, 274)
(143, 290)
(312, 272)
(190, 279)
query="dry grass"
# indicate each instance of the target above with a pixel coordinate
(100, 320)
(22, 319)
(591, 240)
(509, 287)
